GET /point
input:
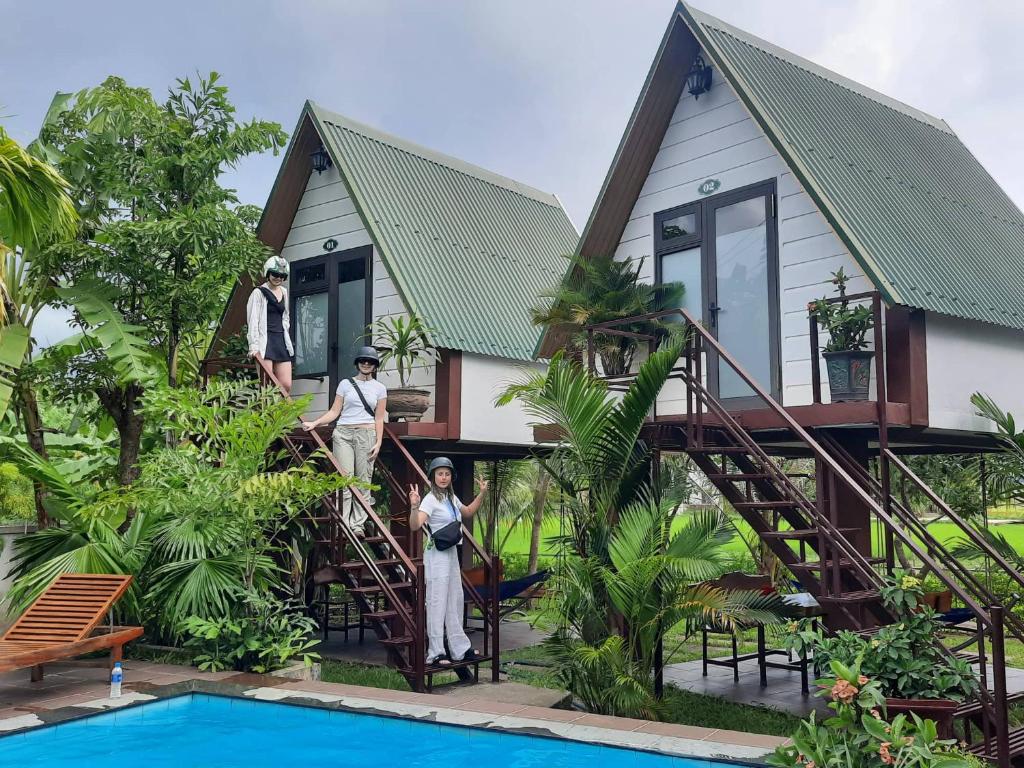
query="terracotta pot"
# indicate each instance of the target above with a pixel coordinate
(939, 710)
(408, 404)
(849, 373)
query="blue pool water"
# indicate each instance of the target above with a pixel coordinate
(199, 731)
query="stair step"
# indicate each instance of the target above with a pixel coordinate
(801, 533)
(398, 641)
(370, 589)
(765, 504)
(740, 476)
(856, 596)
(1015, 741)
(970, 708)
(719, 449)
(380, 615)
(843, 563)
(356, 565)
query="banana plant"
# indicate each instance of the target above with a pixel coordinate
(129, 353)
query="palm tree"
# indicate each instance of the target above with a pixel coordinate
(34, 204)
(597, 290)
(624, 579)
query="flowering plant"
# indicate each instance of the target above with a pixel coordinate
(858, 736)
(904, 658)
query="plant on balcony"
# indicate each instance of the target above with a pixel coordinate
(846, 359)
(858, 735)
(597, 290)
(405, 343)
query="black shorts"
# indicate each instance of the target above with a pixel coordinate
(277, 349)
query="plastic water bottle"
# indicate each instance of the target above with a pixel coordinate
(115, 680)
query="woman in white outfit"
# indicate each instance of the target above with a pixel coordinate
(360, 406)
(269, 325)
(437, 509)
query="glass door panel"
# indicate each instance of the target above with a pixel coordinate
(310, 334)
(685, 267)
(741, 311)
(351, 312)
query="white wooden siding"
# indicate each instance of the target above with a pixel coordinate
(483, 379)
(328, 211)
(715, 137)
(965, 357)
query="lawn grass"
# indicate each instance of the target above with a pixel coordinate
(703, 711)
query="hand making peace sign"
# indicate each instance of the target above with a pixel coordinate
(414, 497)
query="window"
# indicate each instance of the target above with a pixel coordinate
(676, 228)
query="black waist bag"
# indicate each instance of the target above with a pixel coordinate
(446, 537)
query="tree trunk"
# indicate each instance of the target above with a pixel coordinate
(540, 499)
(122, 405)
(34, 434)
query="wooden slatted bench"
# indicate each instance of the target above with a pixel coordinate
(64, 622)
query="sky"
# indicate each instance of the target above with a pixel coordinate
(538, 90)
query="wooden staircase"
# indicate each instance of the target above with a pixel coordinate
(832, 561)
(383, 576)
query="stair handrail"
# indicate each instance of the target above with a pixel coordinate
(933, 544)
(822, 455)
(947, 511)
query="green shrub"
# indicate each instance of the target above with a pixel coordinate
(264, 634)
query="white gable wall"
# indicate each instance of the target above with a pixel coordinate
(715, 137)
(328, 211)
(965, 357)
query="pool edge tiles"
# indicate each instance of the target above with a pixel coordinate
(582, 729)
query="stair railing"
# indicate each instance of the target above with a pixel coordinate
(699, 338)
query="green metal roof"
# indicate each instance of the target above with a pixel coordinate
(925, 220)
(468, 250)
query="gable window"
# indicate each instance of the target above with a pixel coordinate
(677, 228)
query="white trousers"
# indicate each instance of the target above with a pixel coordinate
(444, 603)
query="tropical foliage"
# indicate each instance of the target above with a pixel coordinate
(209, 528)
(597, 290)
(157, 227)
(623, 580)
(857, 734)
(903, 658)
(847, 326)
(405, 343)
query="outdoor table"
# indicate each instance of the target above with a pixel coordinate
(799, 611)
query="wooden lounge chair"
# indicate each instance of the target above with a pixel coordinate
(64, 622)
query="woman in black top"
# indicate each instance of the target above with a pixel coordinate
(270, 342)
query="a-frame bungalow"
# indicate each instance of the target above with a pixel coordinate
(752, 175)
(385, 228)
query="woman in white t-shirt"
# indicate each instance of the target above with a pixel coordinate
(442, 572)
(360, 406)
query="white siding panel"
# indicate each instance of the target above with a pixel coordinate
(965, 357)
(715, 137)
(483, 379)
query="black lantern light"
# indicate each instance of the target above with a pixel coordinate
(698, 79)
(321, 160)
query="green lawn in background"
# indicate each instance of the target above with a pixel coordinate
(519, 540)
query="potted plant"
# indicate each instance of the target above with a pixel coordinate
(404, 343)
(847, 361)
(913, 672)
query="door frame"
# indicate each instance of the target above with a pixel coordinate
(329, 284)
(705, 209)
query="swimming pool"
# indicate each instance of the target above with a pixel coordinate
(199, 730)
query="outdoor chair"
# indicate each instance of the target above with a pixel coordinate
(64, 622)
(513, 595)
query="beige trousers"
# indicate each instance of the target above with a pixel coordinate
(352, 446)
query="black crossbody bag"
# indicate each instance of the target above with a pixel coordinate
(449, 535)
(362, 399)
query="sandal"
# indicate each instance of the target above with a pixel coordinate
(441, 660)
(470, 655)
